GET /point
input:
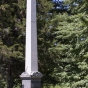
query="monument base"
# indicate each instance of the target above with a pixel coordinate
(32, 80)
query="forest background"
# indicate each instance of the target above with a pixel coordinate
(62, 43)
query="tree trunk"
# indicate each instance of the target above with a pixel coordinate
(9, 78)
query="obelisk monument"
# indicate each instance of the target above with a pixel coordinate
(31, 78)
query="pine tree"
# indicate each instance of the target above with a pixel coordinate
(12, 39)
(46, 61)
(70, 46)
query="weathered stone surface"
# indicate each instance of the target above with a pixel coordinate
(31, 83)
(34, 75)
(32, 80)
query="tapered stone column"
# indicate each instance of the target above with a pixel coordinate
(31, 78)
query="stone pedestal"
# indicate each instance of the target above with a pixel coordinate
(32, 80)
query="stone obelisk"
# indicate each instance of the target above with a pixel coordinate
(31, 78)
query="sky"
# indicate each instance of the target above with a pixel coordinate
(57, 0)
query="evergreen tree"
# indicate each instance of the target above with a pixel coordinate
(12, 39)
(71, 51)
(46, 60)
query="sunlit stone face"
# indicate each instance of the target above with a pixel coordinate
(31, 63)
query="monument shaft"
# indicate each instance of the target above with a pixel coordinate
(31, 63)
(31, 78)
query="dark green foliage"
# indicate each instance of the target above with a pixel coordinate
(62, 43)
(46, 60)
(12, 39)
(71, 51)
